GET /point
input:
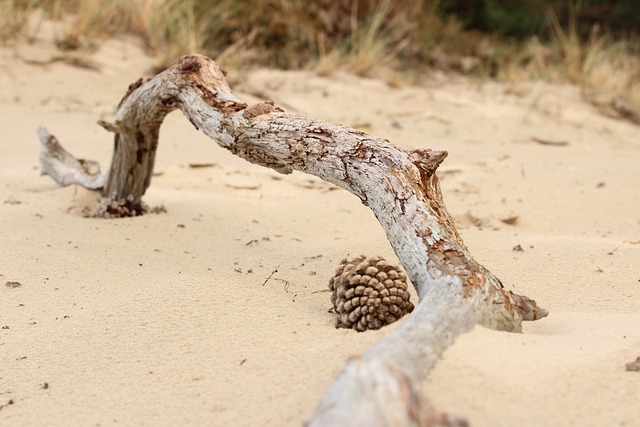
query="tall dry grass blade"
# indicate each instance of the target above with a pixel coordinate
(374, 44)
(569, 41)
(14, 17)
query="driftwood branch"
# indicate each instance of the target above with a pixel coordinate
(64, 168)
(400, 187)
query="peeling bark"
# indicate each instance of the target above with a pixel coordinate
(399, 186)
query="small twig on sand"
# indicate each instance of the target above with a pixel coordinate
(275, 270)
(549, 142)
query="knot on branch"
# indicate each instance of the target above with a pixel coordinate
(527, 307)
(132, 87)
(260, 109)
(193, 64)
(427, 160)
(190, 63)
(202, 68)
(369, 293)
(110, 127)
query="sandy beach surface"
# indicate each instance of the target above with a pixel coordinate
(169, 319)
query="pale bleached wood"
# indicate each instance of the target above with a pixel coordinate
(400, 186)
(64, 168)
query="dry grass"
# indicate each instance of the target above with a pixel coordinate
(373, 46)
(607, 70)
(365, 37)
(612, 66)
(14, 17)
(569, 41)
(287, 33)
(167, 27)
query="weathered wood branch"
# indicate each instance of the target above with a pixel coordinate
(64, 168)
(400, 187)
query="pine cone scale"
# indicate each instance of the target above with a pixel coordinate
(369, 293)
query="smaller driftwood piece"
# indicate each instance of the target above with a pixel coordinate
(382, 386)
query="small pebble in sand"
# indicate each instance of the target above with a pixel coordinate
(11, 284)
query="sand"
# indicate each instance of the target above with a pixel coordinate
(166, 319)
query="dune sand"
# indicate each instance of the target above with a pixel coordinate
(166, 319)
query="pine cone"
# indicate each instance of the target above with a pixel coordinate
(368, 293)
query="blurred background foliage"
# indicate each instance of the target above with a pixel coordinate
(525, 18)
(594, 43)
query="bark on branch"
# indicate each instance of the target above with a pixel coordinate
(400, 186)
